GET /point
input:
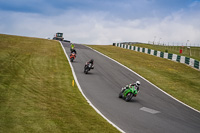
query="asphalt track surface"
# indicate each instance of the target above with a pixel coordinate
(151, 111)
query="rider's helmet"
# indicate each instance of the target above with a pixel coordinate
(137, 83)
(91, 60)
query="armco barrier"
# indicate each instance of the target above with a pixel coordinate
(182, 59)
(178, 58)
(187, 60)
(196, 64)
(155, 53)
(143, 50)
(162, 54)
(149, 51)
(170, 56)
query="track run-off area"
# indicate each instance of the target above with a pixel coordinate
(151, 111)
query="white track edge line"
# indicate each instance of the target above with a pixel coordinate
(146, 80)
(76, 80)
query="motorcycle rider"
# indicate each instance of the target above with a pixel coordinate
(137, 84)
(72, 48)
(90, 61)
(73, 51)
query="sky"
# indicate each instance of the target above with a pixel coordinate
(104, 22)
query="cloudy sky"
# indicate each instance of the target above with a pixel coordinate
(104, 21)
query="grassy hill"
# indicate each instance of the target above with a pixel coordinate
(36, 94)
(177, 79)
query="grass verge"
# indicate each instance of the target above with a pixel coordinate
(36, 94)
(179, 80)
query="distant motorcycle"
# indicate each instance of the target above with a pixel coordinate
(88, 67)
(72, 56)
(127, 93)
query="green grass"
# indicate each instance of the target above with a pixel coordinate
(179, 80)
(193, 52)
(36, 94)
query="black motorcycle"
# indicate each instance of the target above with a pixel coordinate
(88, 67)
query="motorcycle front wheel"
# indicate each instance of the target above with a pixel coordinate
(120, 95)
(86, 71)
(128, 97)
(72, 59)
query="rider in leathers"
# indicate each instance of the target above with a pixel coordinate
(92, 62)
(137, 84)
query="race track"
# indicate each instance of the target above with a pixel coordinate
(151, 111)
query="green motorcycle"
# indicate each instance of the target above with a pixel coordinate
(128, 92)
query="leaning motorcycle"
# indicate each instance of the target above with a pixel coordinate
(72, 56)
(88, 67)
(128, 93)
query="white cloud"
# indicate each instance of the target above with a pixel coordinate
(102, 28)
(195, 4)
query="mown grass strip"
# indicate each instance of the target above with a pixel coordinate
(36, 93)
(179, 80)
